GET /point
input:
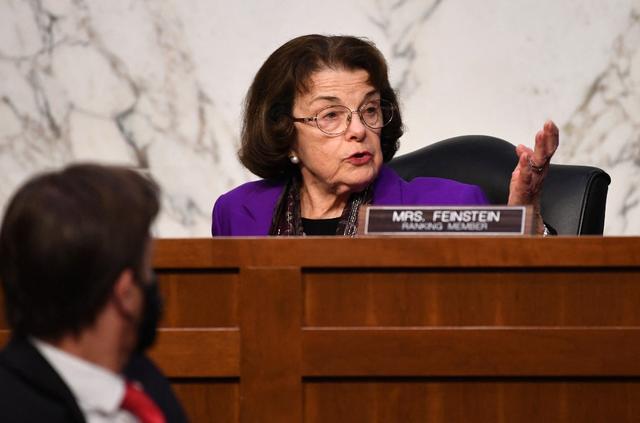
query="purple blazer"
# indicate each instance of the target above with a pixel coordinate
(248, 209)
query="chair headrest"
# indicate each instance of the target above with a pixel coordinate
(573, 197)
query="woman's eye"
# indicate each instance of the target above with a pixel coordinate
(371, 106)
(331, 114)
(371, 110)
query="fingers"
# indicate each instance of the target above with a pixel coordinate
(528, 176)
(520, 185)
(524, 150)
(546, 144)
(526, 159)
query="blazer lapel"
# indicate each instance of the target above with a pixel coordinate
(258, 208)
(388, 188)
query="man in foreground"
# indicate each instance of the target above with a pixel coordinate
(81, 300)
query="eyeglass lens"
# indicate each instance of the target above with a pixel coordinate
(335, 119)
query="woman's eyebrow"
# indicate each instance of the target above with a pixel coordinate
(338, 100)
(370, 94)
(326, 98)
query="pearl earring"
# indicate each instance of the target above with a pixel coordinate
(294, 159)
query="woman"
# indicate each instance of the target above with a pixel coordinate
(320, 121)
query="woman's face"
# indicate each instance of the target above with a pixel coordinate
(344, 163)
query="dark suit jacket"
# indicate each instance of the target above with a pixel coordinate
(32, 391)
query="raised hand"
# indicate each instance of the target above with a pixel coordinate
(533, 165)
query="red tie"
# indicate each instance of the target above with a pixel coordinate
(141, 405)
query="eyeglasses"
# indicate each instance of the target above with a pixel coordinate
(334, 120)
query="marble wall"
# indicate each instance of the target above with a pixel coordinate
(158, 84)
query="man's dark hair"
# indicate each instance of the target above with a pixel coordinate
(65, 238)
(268, 131)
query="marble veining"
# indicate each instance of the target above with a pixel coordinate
(400, 23)
(158, 85)
(604, 130)
(82, 93)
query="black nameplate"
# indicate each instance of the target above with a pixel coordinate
(445, 220)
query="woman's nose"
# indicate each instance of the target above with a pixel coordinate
(355, 128)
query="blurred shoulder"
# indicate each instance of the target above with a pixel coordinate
(24, 399)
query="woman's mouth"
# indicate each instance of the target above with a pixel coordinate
(360, 158)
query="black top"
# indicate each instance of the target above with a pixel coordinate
(320, 226)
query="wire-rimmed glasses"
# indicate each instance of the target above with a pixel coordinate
(334, 120)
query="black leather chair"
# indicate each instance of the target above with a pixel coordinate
(573, 197)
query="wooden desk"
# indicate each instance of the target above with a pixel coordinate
(402, 329)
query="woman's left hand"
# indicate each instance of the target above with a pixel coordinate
(533, 165)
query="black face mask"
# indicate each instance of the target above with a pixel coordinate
(151, 314)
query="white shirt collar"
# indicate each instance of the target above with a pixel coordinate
(97, 389)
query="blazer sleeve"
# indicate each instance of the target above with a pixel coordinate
(220, 220)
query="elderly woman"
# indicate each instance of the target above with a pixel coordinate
(320, 121)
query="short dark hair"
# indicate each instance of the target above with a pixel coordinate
(66, 236)
(268, 132)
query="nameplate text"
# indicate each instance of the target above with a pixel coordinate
(445, 220)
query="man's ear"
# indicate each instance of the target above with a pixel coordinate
(126, 294)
